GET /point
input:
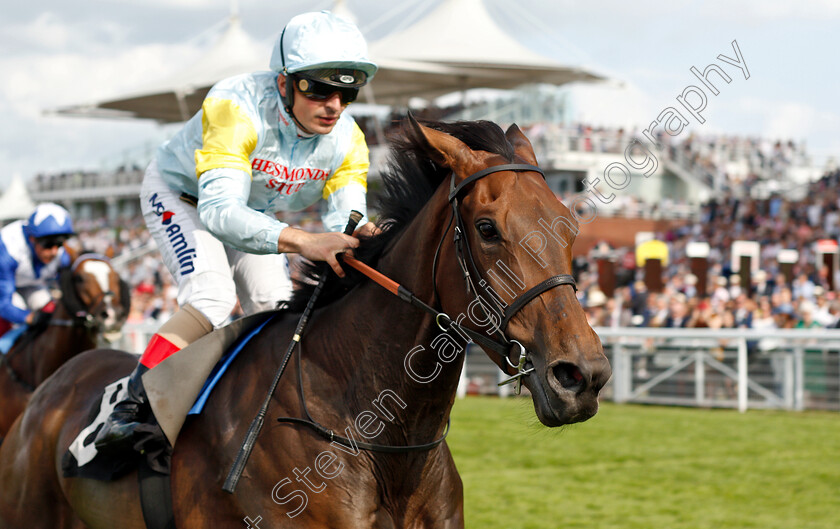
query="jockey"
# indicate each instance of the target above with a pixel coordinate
(31, 252)
(262, 143)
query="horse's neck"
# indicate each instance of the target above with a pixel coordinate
(56, 344)
(383, 353)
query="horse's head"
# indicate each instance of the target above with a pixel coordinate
(518, 235)
(95, 294)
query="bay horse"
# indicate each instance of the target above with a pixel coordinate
(93, 302)
(370, 367)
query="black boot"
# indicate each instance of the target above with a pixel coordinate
(117, 434)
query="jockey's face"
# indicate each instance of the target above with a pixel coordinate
(45, 254)
(314, 117)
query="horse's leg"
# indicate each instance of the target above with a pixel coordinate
(445, 508)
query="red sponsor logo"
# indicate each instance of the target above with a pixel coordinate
(285, 180)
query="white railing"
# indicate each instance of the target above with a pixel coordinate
(730, 368)
(739, 368)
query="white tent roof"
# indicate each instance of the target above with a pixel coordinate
(178, 97)
(460, 33)
(15, 202)
(457, 46)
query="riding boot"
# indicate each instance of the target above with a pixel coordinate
(117, 434)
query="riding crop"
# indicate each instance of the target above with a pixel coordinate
(257, 424)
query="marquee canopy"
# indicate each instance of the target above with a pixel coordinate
(456, 47)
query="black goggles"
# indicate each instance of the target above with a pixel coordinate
(51, 241)
(319, 91)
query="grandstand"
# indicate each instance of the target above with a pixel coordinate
(711, 189)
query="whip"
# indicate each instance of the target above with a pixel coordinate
(257, 424)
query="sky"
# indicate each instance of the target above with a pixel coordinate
(56, 53)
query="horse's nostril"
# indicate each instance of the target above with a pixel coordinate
(569, 376)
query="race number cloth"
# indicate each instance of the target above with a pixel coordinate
(83, 448)
(83, 460)
(9, 339)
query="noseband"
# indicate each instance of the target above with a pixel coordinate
(500, 345)
(503, 346)
(82, 314)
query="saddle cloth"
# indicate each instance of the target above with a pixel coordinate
(11, 336)
(81, 458)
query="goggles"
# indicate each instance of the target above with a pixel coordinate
(320, 85)
(51, 241)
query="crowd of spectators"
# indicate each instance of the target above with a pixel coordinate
(735, 163)
(771, 301)
(776, 223)
(805, 299)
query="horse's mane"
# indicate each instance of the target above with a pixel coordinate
(408, 182)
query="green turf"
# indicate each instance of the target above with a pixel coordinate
(645, 467)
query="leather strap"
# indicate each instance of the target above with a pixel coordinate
(155, 497)
(521, 301)
(454, 190)
(389, 449)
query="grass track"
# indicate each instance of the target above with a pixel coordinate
(646, 467)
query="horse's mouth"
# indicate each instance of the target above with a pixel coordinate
(559, 407)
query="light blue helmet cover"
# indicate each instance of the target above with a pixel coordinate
(320, 40)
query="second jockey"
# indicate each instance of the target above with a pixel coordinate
(31, 252)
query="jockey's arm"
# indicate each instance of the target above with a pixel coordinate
(8, 310)
(224, 211)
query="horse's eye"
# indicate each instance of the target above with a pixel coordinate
(487, 230)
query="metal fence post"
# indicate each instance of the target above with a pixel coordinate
(742, 375)
(622, 373)
(799, 378)
(788, 383)
(699, 378)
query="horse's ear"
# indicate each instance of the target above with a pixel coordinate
(109, 252)
(72, 250)
(521, 145)
(442, 148)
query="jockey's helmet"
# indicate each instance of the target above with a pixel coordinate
(321, 53)
(48, 220)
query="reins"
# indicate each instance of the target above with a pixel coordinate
(80, 315)
(443, 320)
(331, 436)
(502, 347)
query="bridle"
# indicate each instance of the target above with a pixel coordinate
(82, 314)
(499, 342)
(502, 346)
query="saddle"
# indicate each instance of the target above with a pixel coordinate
(218, 349)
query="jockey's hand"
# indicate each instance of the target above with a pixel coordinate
(368, 230)
(317, 246)
(36, 318)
